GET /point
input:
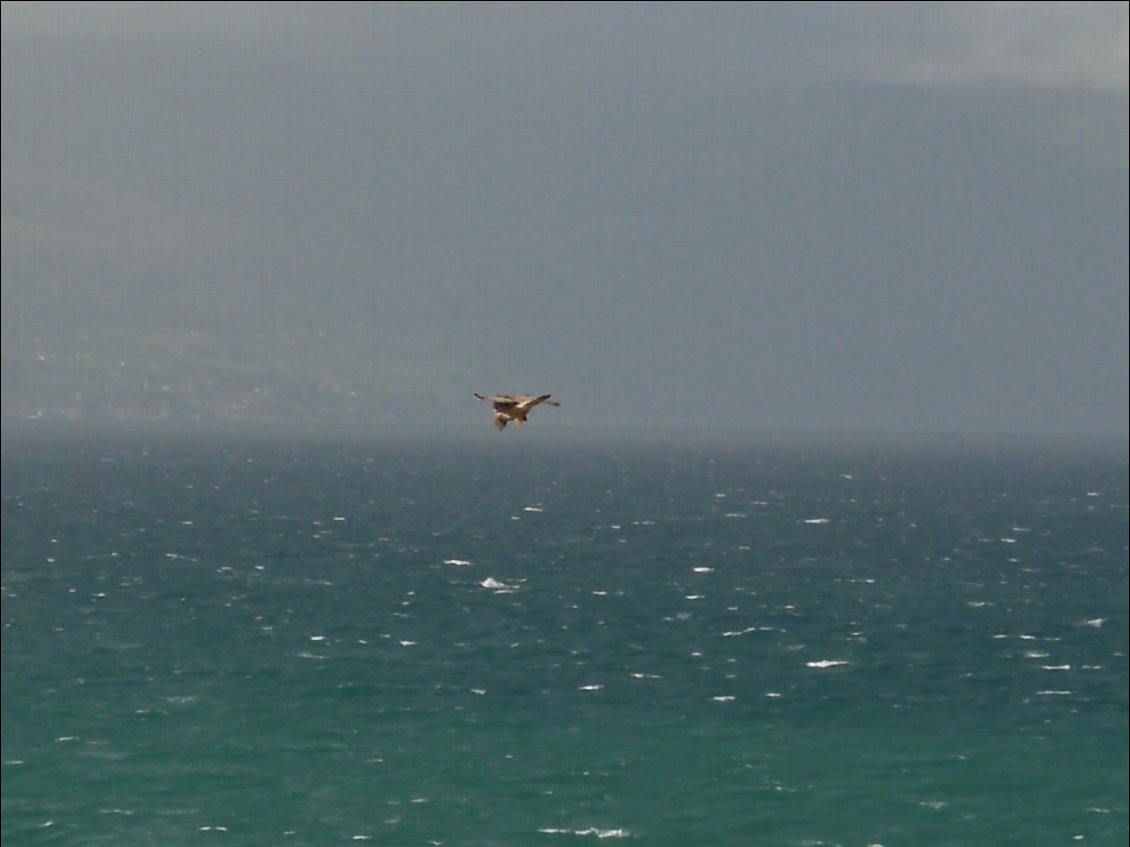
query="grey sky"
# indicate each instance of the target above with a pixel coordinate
(817, 216)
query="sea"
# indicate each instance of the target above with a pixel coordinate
(327, 636)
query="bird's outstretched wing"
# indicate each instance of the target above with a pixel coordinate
(528, 401)
(500, 401)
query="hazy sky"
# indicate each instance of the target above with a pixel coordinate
(856, 216)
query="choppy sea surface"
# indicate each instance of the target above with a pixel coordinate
(535, 638)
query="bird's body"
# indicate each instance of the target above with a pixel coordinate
(514, 407)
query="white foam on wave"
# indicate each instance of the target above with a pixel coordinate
(1095, 622)
(492, 584)
(591, 831)
(1056, 667)
(813, 521)
(459, 563)
(826, 663)
(532, 509)
(736, 633)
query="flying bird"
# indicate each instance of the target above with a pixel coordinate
(514, 407)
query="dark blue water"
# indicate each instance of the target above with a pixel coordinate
(530, 638)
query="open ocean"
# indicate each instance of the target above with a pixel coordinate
(539, 637)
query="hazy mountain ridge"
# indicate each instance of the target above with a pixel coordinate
(197, 376)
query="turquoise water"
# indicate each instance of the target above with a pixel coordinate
(534, 638)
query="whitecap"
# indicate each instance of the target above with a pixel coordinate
(1053, 693)
(493, 584)
(596, 686)
(1095, 622)
(826, 663)
(459, 563)
(723, 698)
(703, 569)
(816, 520)
(532, 509)
(1056, 667)
(736, 632)
(592, 830)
